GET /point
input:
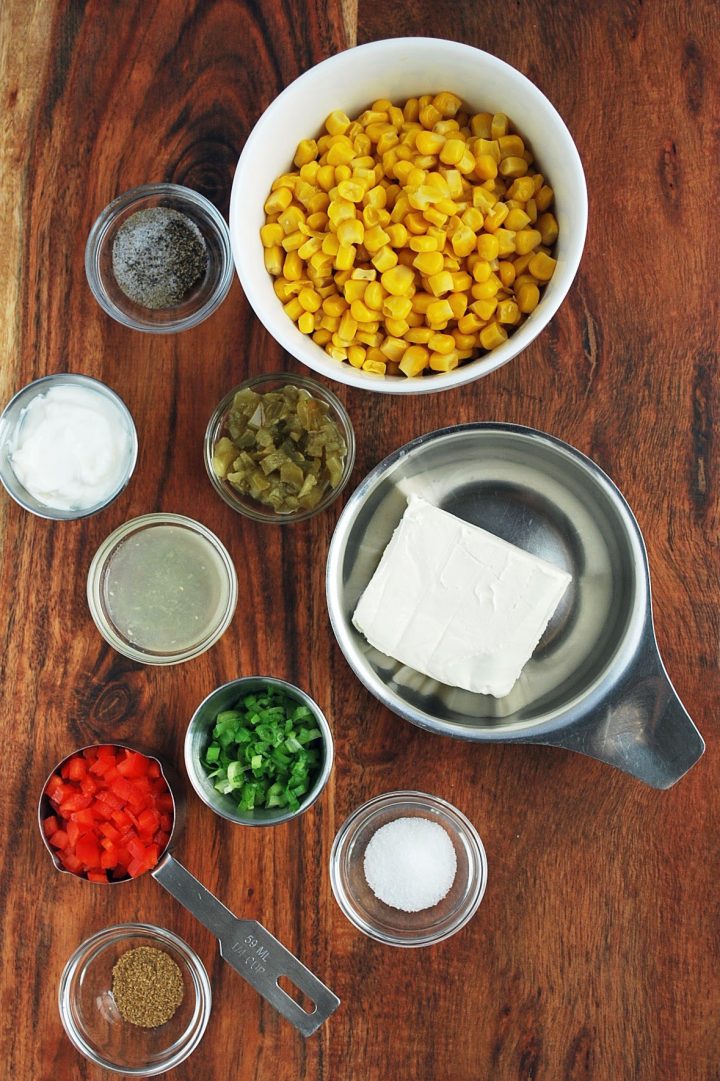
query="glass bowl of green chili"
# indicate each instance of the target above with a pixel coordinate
(258, 751)
(135, 999)
(158, 258)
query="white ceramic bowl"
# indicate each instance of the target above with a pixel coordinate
(399, 68)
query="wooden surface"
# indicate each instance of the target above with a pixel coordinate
(595, 952)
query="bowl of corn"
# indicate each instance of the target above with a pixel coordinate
(408, 215)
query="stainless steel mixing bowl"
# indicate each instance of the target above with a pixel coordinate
(596, 682)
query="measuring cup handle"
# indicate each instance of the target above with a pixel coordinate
(251, 950)
(641, 727)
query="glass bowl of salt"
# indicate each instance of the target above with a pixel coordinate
(158, 258)
(408, 869)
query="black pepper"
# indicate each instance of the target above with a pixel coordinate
(147, 986)
(159, 255)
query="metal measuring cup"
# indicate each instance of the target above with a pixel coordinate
(245, 944)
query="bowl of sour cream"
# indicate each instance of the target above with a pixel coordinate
(68, 446)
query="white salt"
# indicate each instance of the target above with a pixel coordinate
(410, 864)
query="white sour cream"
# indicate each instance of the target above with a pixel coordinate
(71, 448)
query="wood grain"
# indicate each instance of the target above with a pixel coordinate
(595, 952)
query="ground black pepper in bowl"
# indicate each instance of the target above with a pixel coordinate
(159, 256)
(147, 986)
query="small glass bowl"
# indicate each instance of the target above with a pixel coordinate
(204, 298)
(261, 384)
(390, 925)
(93, 1022)
(11, 421)
(168, 600)
(196, 740)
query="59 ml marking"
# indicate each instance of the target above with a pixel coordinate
(253, 954)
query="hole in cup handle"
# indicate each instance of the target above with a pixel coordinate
(640, 726)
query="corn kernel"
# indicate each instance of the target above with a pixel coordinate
(508, 312)
(356, 355)
(335, 352)
(517, 219)
(306, 322)
(544, 198)
(500, 125)
(397, 328)
(429, 116)
(506, 242)
(492, 336)
(395, 307)
(473, 218)
(414, 360)
(548, 228)
(293, 308)
(293, 241)
(307, 150)
(278, 201)
(361, 313)
(480, 125)
(441, 343)
(468, 324)
(458, 303)
(461, 281)
(487, 247)
(375, 239)
(444, 362)
(434, 216)
(398, 281)
(429, 262)
(384, 259)
(447, 103)
(485, 290)
(463, 241)
(526, 240)
(292, 267)
(322, 337)
(273, 259)
(453, 151)
(506, 273)
(340, 153)
(440, 282)
(495, 217)
(439, 311)
(351, 190)
(481, 271)
(351, 231)
(513, 167)
(271, 234)
(309, 299)
(345, 257)
(353, 290)
(429, 142)
(528, 297)
(511, 146)
(423, 243)
(397, 235)
(484, 309)
(337, 122)
(312, 245)
(542, 266)
(374, 296)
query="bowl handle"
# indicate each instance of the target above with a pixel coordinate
(251, 950)
(641, 726)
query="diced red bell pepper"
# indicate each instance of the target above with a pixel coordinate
(133, 765)
(50, 825)
(87, 851)
(88, 786)
(70, 862)
(77, 768)
(148, 821)
(114, 813)
(74, 802)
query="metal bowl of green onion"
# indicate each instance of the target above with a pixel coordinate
(258, 751)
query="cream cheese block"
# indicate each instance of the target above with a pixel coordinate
(457, 603)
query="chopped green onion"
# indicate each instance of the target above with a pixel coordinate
(258, 751)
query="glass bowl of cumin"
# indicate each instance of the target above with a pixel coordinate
(135, 999)
(158, 258)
